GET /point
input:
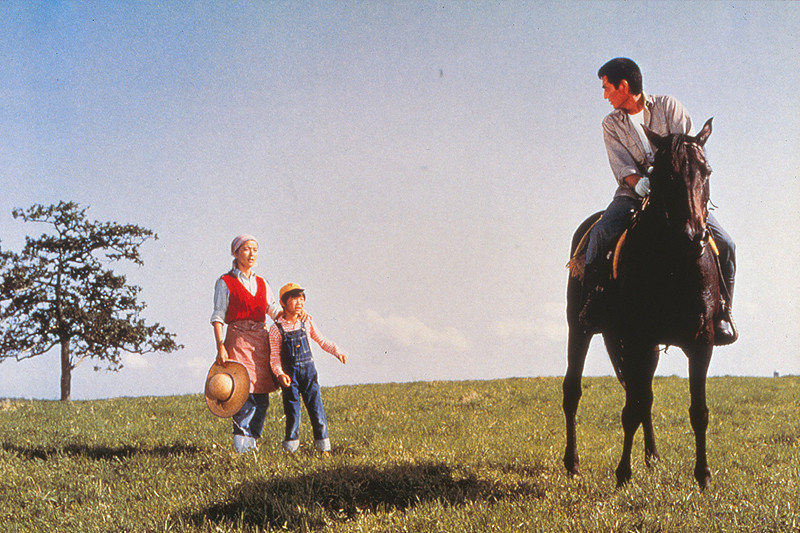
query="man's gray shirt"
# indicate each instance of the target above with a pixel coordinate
(626, 154)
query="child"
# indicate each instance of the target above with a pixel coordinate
(293, 367)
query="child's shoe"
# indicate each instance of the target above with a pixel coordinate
(243, 444)
(323, 445)
(291, 446)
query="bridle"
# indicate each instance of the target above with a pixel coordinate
(702, 238)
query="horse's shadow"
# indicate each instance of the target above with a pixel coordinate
(343, 492)
(96, 452)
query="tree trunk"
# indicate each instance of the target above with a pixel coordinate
(66, 372)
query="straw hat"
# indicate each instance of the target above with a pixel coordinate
(227, 388)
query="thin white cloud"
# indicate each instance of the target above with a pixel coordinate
(548, 323)
(413, 332)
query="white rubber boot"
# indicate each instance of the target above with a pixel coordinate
(243, 444)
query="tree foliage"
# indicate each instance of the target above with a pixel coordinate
(58, 291)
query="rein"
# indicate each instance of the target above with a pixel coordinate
(704, 235)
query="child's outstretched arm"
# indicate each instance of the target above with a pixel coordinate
(325, 344)
(275, 340)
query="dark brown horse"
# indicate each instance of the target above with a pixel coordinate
(666, 292)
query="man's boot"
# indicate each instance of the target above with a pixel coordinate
(592, 298)
(725, 331)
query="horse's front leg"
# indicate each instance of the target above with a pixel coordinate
(699, 358)
(578, 345)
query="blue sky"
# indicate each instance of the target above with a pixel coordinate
(418, 166)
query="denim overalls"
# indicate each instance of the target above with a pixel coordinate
(298, 364)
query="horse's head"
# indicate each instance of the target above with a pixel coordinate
(679, 181)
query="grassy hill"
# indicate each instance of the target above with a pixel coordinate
(437, 456)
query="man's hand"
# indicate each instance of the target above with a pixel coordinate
(642, 187)
(342, 357)
(284, 380)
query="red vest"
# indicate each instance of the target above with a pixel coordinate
(242, 305)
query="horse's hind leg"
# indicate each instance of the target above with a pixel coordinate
(615, 353)
(650, 452)
(578, 345)
(698, 412)
(638, 371)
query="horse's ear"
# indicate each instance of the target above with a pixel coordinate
(657, 140)
(702, 137)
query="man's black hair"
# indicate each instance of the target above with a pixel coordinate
(622, 68)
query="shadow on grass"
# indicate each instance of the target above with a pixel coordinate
(96, 452)
(340, 493)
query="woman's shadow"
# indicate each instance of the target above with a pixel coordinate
(96, 452)
(343, 492)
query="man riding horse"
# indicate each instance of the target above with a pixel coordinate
(631, 156)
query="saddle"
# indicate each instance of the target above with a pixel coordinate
(577, 263)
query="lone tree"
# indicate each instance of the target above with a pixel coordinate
(58, 291)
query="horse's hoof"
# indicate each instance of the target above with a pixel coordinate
(571, 464)
(652, 459)
(703, 478)
(623, 476)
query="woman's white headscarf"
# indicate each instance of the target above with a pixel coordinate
(238, 242)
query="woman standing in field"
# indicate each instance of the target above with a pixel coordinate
(242, 300)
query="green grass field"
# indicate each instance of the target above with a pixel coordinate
(419, 457)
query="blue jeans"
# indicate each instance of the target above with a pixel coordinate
(305, 385)
(727, 251)
(605, 233)
(249, 421)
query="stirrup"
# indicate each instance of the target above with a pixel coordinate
(725, 331)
